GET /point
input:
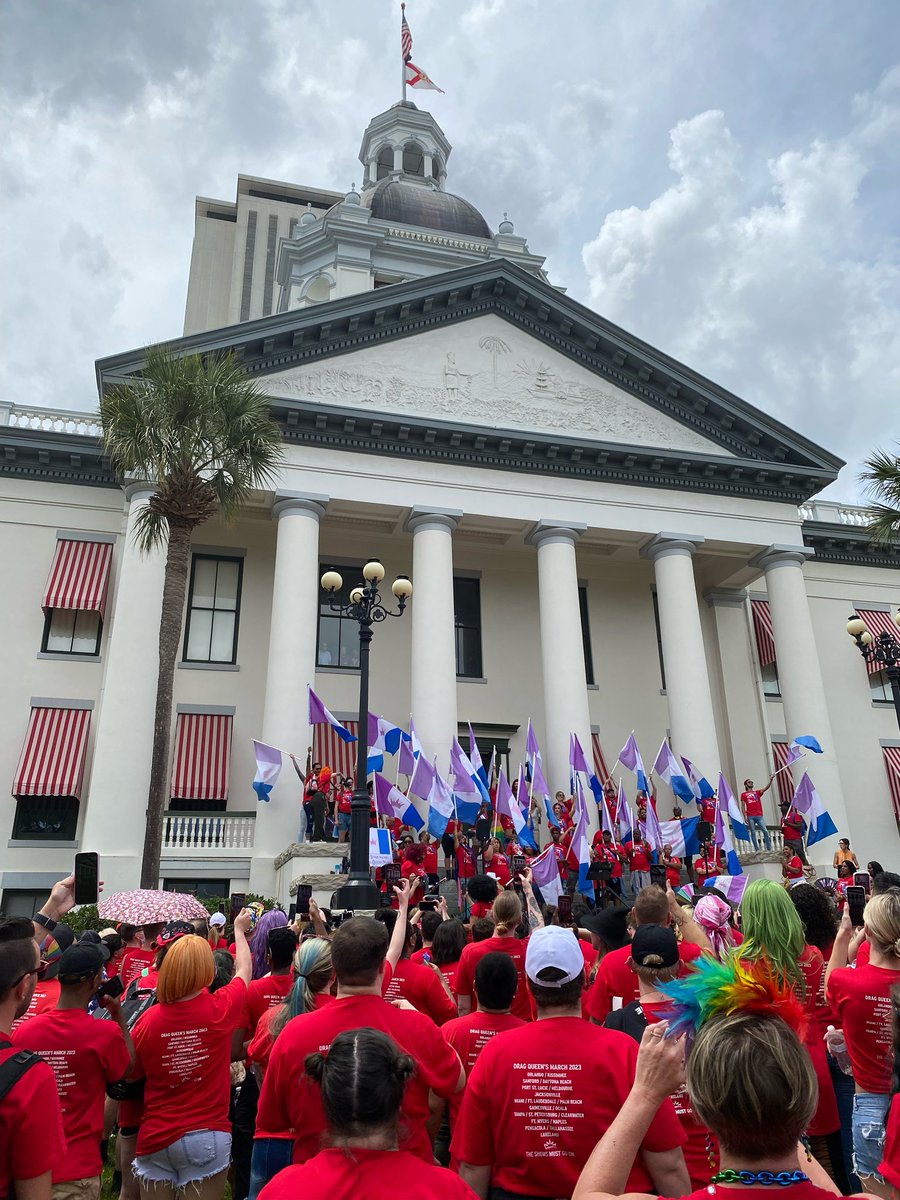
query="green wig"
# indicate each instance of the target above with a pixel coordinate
(772, 930)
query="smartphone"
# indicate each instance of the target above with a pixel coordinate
(292, 913)
(518, 864)
(237, 902)
(861, 879)
(428, 902)
(87, 878)
(392, 874)
(112, 987)
(304, 895)
(856, 902)
(564, 910)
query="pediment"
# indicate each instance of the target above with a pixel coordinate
(485, 372)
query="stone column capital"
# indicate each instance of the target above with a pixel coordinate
(287, 502)
(424, 517)
(671, 543)
(782, 556)
(548, 530)
(138, 488)
(726, 597)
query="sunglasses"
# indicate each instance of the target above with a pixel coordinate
(38, 970)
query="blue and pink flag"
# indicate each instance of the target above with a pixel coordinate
(268, 768)
(722, 839)
(581, 846)
(630, 757)
(507, 806)
(702, 788)
(669, 769)
(410, 749)
(390, 802)
(319, 715)
(807, 801)
(732, 886)
(727, 797)
(577, 761)
(545, 873)
(624, 817)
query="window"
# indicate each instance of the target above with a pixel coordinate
(71, 631)
(659, 649)
(768, 673)
(203, 889)
(18, 902)
(413, 159)
(45, 818)
(880, 687)
(467, 618)
(586, 633)
(214, 603)
(339, 636)
(384, 164)
(198, 806)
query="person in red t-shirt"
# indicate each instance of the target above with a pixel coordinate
(614, 984)
(411, 868)
(271, 990)
(890, 1166)
(672, 865)
(135, 962)
(522, 1127)
(418, 983)
(752, 808)
(639, 853)
(85, 1055)
(608, 851)
(710, 864)
(791, 867)
(288, 1102)
(466, 855)
(361, 1079)
(183, 1049)
(792, 831)
(430, 861)
(496, 863)
(343, 806)
(507, 916)
(559, 853)
(32, 1142)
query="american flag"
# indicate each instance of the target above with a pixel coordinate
(405, 40)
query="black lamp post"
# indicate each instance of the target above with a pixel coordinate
(365, 607)
(883, 649)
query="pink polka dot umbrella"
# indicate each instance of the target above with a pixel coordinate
(147, 906)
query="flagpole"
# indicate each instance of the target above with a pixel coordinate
(402, 61)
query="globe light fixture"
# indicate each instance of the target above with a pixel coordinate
(332, 581)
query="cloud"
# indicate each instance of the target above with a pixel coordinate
(772, 277)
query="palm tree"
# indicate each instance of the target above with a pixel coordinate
(495, 346)
(200, 431)
(882, 474)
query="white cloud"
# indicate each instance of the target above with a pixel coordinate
(771, 278)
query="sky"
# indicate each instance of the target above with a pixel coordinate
(719, 178)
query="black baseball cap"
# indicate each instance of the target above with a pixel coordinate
(610, 925)
(173, 931)
(81, 961)
(91, 937)
(656, 942)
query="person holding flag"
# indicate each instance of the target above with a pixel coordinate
(751, 807)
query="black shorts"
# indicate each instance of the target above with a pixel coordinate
(448, 845)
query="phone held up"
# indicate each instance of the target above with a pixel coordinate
(87, 878)
(304, 895)
(856, 902)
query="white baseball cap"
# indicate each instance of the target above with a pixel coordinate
(556, 947)
(217, 919)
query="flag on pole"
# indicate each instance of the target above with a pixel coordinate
(624, 817)
(422, 780)
(727, 797)
(416, 77)
(532, 749)
(390, 802)
(545, 873)
(668, 769)
(652, 829)
(722, 838)
(507, 806)
(808, 742)
(606, 821)
(268, 768)
(577, 761)
(807, 800)
(440, 805)
(681, 836)
(410, 749)
(405, 36)
(702, 788)
(319, 715)
(630, 757)
(466, 780)
(581, 847)
(732, 886)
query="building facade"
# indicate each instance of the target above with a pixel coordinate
(599, 539)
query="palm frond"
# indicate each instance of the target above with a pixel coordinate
(882, 475)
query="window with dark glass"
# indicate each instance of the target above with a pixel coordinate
(214, 602)
(659, 648)
(203, 889)
(467, 619)
(880, 687)
(71, 631)
(45, 818)
(769, 675)
(338, 643)
(586, 633)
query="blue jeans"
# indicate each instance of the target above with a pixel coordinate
(844, 1092)
(869, 1113)
(758, 823)
(270, 1155)
(639, 880)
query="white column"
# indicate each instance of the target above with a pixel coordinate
(116, 796)
(562, 650)
(691, 720)
(802, 690)
(433, 687)
(292, 666)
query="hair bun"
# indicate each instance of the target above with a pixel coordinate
(315, 1066)
(402, 1068)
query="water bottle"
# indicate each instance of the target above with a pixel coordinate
(837, 1048)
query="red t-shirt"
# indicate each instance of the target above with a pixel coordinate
(480, 909)
(708, 810)
(616, 980)
(465, 863)
(345, 801)
(84, 1055)
(539, 1098)
(794, 868)
(673, 871)
(430, 862)
(499, 866)
(826, 1118)
(707, 868)
(798, 1191)
(639, 858)
(45, 998)
(416, 876)
(290, 1100)
(860, 999)
(472, 956)
(263, 994)
(752, 802)
(792, 827)
(559, 853)
(421, 987)
(890, 1166)
(366, 1175)
(133, 964)
(184, 1050)
(611, 853)
(32, 1141)
(468, 1036)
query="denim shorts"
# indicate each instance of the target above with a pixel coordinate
(869, 1113)
(193, 1158)
(344, 822)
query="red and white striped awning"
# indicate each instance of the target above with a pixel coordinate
(332, 751)
(79, 576)
(600, 768)
(892, 766)
(878, 622)
(52, 758)
(765, 634)
(783, 779)
(202, 756)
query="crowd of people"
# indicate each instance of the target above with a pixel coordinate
(677, 1046)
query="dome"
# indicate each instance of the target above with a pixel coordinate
(413, 204)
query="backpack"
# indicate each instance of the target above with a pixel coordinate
(135, 1003)
(15, 1067)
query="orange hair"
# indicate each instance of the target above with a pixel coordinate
(188, 967)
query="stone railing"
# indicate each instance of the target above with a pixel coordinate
(835, 514)
(50, 420)
(223, 832)
(745, 849)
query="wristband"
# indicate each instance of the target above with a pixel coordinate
(48, 923)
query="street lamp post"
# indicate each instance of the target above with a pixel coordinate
(883, 649)
(365, 607)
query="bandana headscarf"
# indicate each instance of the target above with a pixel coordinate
(713, 914)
